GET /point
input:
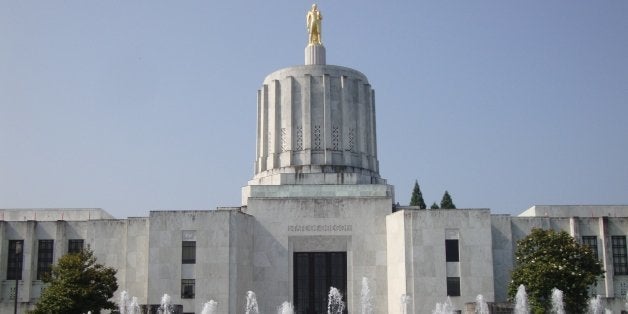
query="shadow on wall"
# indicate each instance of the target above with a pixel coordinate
(155, 309)
(493, 308)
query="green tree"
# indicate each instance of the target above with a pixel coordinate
(434, 206)
(417, 196)
(447, 202)
(77, 284)
(547, 259)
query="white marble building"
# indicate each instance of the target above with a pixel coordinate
(316, 213)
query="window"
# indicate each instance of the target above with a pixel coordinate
(187, 288)
(44, 258)
(451, 251)
(453, 286)
(75, 246)
(591, 242)
(188, 252)
(620, 260)
(14, 260)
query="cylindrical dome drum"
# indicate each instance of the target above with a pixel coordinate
(316, 125)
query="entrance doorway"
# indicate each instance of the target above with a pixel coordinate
(314, 274)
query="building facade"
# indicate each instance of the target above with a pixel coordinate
(315, 214)
(195, 256)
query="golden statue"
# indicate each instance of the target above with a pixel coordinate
(313, 24)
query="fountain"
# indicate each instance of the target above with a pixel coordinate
(595, 305)
(128, 305)
(166, 305)
(437, 308)
(210, 307)
(480, 305)
(521, 301)
(366, 298)
(557, 302)
(134, 307)
(124, 302)
(335, 305)
(405, 300)
(286, 308)
(251, 303)
(444, 308)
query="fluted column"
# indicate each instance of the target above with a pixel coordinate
(315, 54)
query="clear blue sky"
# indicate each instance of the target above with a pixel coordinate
(133, 106)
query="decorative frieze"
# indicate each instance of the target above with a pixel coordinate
(299, 146)
(316, 134)
(335, 145)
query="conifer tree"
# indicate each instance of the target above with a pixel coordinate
(434, 206)
(447, 202)
(417, 196)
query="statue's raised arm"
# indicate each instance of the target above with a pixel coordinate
(313, 23)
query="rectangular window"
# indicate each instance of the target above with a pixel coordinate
(14, 259)
(620, 258)
(187, 288)
(188, 252)
(451, 251)
(44, 258)
(591, 242)
(75, 246)
(453, 286)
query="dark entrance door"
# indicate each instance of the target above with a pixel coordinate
(314, 274)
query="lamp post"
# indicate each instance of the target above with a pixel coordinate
(18, 270)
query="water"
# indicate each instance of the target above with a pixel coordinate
(128, 305)
(210, 307)
(480, 305)
(444, 308)
(557, 302)
(437, 308)
(251, 303)
(366, 297)
(124, 302)
(335, 304)
(134, 307)
(166, 305)
(286, 308)
(405, 300)
(595, 305)
(521, 301)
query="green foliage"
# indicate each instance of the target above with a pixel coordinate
(417, 196)
(77, 284)
(547, 259)
(447, 202)
(434, 206)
